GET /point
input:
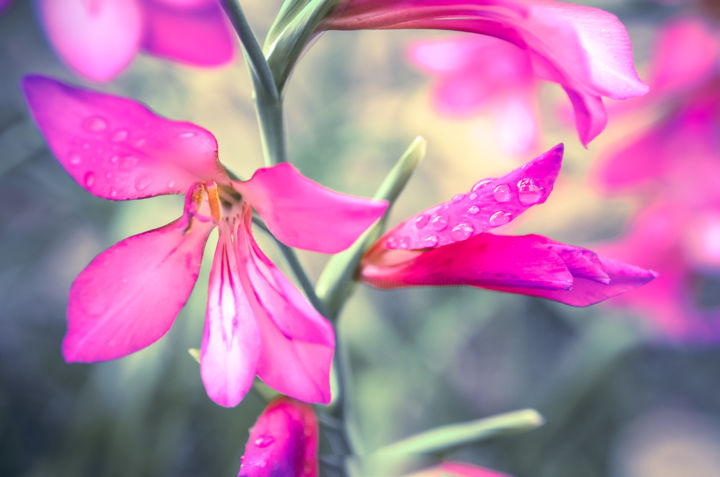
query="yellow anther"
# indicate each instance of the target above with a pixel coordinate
(214, 201)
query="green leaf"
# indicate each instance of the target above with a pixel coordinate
(336, 280)
(454, 435)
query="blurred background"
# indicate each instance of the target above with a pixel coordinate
(622, 397)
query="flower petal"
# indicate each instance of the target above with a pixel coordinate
(98, 39)
(304, 214)
(116, 148)
(193, 32)
(283, 442)
(231, 340)
(457, 469)
(490, 204)
(297, 342)
(129, 295)
(528, 264)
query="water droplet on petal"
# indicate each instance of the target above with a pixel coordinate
(186, 135)
(473, 196)
(264, 441)
(528, 191)
(404, 243)
(75, 159)
(499, 218)
(108, 175)
(392, 242)
(95, 124)
(120, 135)
(89, 179)
(129, 162)
(422, 220)
(113, 193)
(430, 241)
(473, 210)
(114, 159)
(502, 193)
(171, 184)
(462, 231)
(439, 222)
(86, 146)
(480, 184)
(458, 197)
(142, 183)
(140, 142)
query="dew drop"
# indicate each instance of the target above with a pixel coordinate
(473, 196)
(462, 231)
(86, 146)
(171, 184)
(392, 243)
(108, 175)
(89, 179)
(129, 162)
(499, 218)
(113, 193)
(404, 243)
(439, 222)
(473, 210)
(186, 135)
(142, 183)
(120, 135)
(422, 220)
(430, 241)
(95, 124)
(264, 441)
(502, 193)
(528, 191)
(480, 184)
(75, 159)
(140, 142)
(458, 198)
(114, 159)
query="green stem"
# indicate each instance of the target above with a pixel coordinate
(268, 100)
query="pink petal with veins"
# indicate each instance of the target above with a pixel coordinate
(528, 264)
(129, 295)
(116, 148)
(491, 203)
(97, 38)
(231, 340)
(283, 442)
(297, 343)
(192, 32)
(304, 214)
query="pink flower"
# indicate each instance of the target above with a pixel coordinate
(449, 245)
(475, 73)
(680, 148)
(4, 4)
(586, 50)
(99, 38)
(283, 442)
(457, 469)
(127, 298)
(683, 245)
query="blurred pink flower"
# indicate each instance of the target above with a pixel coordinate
(4, 4)
(684, 247)
(128, 297)
(457, 469)
(475, 73)
(283, 442)
(585, 50)
(448, 245)
(99, 38)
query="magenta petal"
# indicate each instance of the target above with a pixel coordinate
(304, 214)
(528, 264)
(129, 295)
(491, 203)
(231, 340)
(193, 32)
(297, 342)
(97, 38)
(4, 4)
(116, 148)
(283, 442)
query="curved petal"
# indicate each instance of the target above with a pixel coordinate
(116, 148)
(528, 264)
(304, 214)
(297, 343)
(231, 340)
(129, 295)
(193, 32)
(491, 203)
(98, 39)
(457, 469)
(586, 50)
(283, 442)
